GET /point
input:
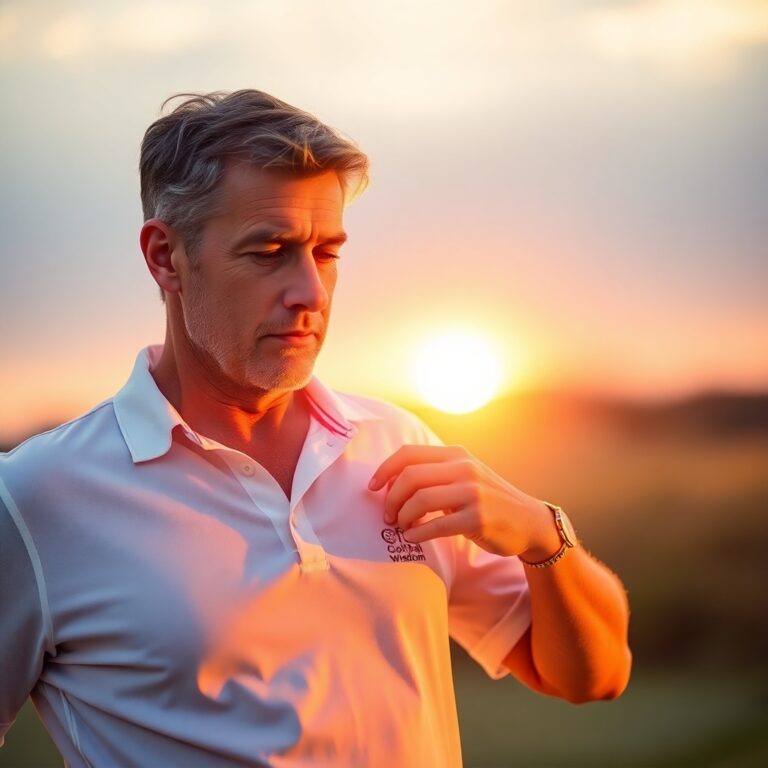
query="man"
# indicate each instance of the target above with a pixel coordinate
(228, 563)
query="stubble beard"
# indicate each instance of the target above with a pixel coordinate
(253, 371)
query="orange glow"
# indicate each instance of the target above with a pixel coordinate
(61, 383)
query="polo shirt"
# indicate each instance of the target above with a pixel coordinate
(165, 604)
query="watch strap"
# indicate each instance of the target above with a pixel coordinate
(556, 511)
(549, 561)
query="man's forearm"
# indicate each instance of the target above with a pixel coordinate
(577, 644)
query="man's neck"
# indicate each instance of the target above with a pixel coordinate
(245, 424)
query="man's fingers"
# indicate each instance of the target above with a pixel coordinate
(413, 454)
(413, 478)
(447, 525)
(433, 499)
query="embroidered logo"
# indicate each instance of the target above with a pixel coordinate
(400, 550)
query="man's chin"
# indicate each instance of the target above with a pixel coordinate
(285, 380)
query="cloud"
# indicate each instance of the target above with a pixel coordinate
(86, 30)
(65, 37)
(686, 36)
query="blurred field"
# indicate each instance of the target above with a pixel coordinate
(674, 498)
(663, 719)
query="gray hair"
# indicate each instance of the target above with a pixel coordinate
(184, 153)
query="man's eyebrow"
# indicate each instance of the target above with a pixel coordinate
(336, 239)
(261, 236)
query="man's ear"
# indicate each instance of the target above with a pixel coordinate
(162, 247)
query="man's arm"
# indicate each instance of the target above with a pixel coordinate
(576, 647)
(22, 631)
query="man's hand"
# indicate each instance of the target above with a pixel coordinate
(576, 647)
(476, 502)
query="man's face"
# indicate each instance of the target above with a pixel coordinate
(265, 267)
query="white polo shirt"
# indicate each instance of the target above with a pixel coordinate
(166, 604)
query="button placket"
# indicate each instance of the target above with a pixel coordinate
(319, 453)
(264, 493)
(311, 552)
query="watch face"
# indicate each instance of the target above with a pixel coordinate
(566, 529)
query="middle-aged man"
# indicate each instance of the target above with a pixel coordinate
(230, 564)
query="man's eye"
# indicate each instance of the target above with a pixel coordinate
(268, 257)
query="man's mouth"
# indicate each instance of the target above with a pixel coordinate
(294, 337)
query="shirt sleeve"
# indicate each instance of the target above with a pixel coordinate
(489, 607)
(488, 603)
(22, 626)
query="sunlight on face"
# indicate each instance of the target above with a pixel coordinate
(456, 371)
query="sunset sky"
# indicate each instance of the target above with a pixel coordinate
(583, 183)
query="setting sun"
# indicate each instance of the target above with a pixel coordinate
(456, 371)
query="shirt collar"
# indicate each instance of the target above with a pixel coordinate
(146, 419)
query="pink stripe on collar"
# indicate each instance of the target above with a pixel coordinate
(325, 418)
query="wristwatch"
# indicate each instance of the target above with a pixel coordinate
(567, 536)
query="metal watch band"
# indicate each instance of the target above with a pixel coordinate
(549, 561)
(556, 511)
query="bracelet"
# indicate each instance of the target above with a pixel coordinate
(549, 561)
(567, 535)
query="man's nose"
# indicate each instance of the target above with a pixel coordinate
(305, 287)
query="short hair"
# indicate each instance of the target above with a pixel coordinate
(184, 153)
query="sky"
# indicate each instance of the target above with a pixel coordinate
(583, 183)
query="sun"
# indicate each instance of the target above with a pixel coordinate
(456, 371)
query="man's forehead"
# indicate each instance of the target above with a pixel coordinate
(252, 200)
(277, 189)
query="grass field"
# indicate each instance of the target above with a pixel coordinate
(664, 719)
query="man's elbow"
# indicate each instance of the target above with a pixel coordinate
(608, 687)
(607, 693)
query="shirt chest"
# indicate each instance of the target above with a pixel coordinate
(214, 552)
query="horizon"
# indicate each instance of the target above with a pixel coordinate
(573, 397)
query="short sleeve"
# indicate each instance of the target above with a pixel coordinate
(488, 604)
(22, 627)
